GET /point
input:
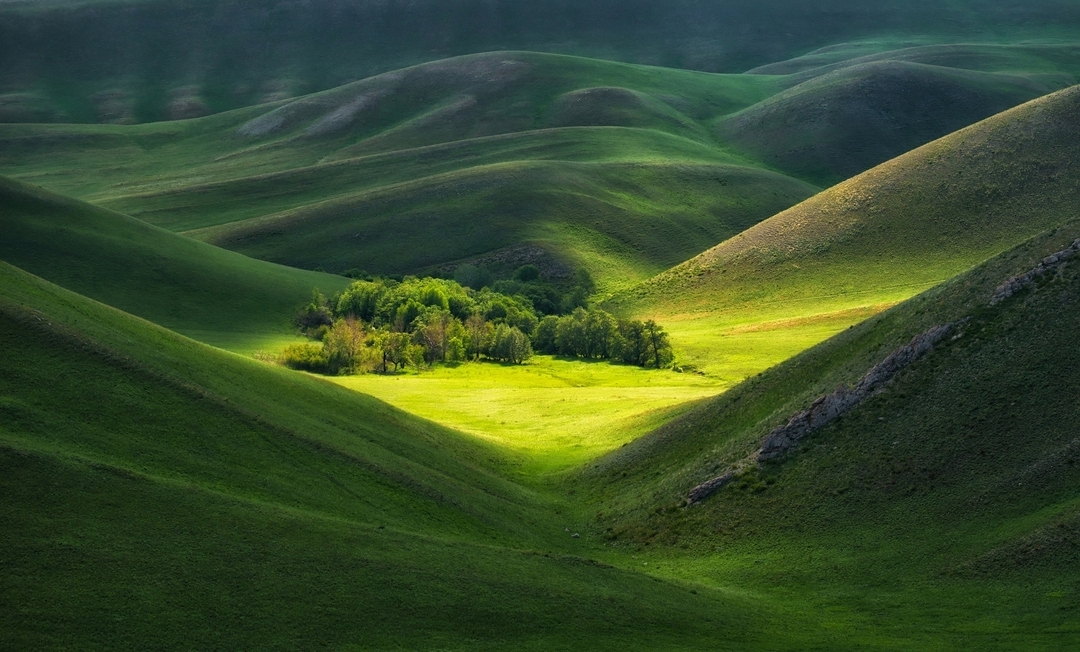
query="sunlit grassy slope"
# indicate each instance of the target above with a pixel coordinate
(202, 291)
(876, 239)
(943, 511)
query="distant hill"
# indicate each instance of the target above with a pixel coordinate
(194, 288)
(522, 157)
(585, 163)
(841, 123)
(887, 234)
(141, 61)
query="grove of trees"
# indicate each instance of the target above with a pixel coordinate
(383, 325)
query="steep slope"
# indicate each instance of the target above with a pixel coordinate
(839, 124)
(159, 493)
(948, 495)
(175, 59)
(881, 237)
(200, 290)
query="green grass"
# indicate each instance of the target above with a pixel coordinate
(1038, 58)
(623, 169)
(879, 238)
(428, 167)
(948, 498)
(553, 413)
(844, 122)
(182, 495)
(159, 493)
(162, 493)
(623, 222)
(218, 296)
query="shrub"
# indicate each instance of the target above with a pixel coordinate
(305, 357)
(509, 344)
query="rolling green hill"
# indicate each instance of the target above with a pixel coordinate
(948, 496)
(160, 493)
(620, 221)
(1046, 60)
(513, 157)
(163, 493)
(117, 61)
(876, 239)
(582, 160)
(194, 288)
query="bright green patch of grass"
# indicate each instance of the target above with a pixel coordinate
(553, 413)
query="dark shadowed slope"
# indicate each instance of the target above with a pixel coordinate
(837, 125)
(142, 61)
(211, 294)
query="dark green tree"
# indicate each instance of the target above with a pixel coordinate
(658, 346)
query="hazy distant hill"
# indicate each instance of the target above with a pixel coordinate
(140, 61)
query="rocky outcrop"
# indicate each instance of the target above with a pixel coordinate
(1047, 265)
(709, 487)
(825, 409)
(829, 407)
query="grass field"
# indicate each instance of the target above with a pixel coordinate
(217, 490)
(555, 414)
(163, 493)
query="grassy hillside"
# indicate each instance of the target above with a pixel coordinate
(162, 493)
(1044, 60)
(202, 291)
(142, 61)
(625, 170)
(621, 221)
(876, 239)
(585, 159)
(841, 123)
(949, 497)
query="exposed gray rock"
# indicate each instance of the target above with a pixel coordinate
(1051, 263)
(843, 399)
(708, 488)
(826, 409)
